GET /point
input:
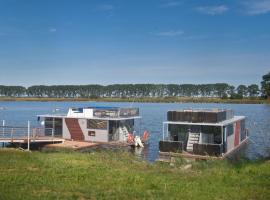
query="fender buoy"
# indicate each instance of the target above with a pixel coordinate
(130, 138)
(145, 135)
(138, 142)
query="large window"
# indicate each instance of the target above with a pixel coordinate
(211, 129)
(211, 134)
(51, 123)
(178, 132)
(97, 124)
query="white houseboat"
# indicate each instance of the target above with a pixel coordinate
(203, 132)
(93, 124)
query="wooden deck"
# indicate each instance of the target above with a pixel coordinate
(79, 145)
(54, 143)
(24, 140)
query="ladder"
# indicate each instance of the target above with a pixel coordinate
(123, 132)
(192, 139)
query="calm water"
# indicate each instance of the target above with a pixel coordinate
(153, 114)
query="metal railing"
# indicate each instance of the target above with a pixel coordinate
(22, 132)
(11, 133)
(116, 112)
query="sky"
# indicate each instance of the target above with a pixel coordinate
(57, 42)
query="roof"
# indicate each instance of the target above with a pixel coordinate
(207, 110)
(97, 118)
(222, 123)
(98, 112)
(103, 107)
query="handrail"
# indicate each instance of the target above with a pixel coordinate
(14, 127)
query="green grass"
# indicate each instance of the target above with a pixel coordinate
(118, 175)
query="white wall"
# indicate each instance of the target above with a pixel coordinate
(66, 134)
(101, 135)
(230, 140)
(87, 112)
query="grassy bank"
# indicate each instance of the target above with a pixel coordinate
(147, 100)
(108, 175)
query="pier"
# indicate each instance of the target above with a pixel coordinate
(26, 136)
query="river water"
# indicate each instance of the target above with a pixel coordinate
(153, 114)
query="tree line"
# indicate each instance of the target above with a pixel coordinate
(221, 90)
(132, 90)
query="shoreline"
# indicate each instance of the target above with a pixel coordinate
(143, 100)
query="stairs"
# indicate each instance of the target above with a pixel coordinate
(192, 139)
(123, 133)
(74, 129)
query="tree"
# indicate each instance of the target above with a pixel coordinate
(12, 91)
(266, 86)
(253, 90)
(231, 91)
(242, 90)
(221, 89)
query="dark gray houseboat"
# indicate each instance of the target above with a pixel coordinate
(203, 132)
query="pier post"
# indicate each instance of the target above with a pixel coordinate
(4, 122)
(163, 131)
(53, 128)
(28, 136)
(11, 134)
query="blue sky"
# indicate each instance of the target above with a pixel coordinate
(127, 41)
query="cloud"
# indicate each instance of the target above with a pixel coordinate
(196, 37)
(212, 10)
(256, 7)
(171, 33)
(105, 7)
(171, 3)
(52, 30)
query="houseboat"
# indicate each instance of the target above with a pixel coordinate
(202, 133)
(94, 124)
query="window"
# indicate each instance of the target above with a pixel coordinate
(97, 124)
(230, 130)
(92, 133)
(211, 130)
(243, 130)
(51, 123)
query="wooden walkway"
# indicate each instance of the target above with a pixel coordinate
(74, 145)
(187, 155)
(79, 145)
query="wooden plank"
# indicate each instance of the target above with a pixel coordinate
(23, 140)
(242, 143)
(188, 155)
